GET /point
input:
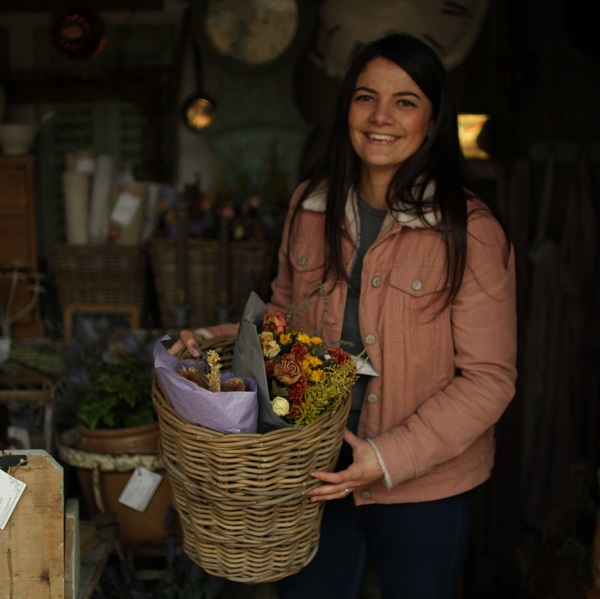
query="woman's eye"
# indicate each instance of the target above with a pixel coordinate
(405, 102)
(363, 98)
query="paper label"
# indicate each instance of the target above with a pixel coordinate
(85, 164)
(140, 489)
(125, 208)
(364, 368)
(11, 490)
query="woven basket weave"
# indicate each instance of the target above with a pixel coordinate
(250, 267)
(99, 274)
(241, 498)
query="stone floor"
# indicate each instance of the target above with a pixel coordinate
(147, 573)
(233, 590)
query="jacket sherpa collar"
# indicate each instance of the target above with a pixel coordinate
(317, 201)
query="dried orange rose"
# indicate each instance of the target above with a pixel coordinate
(275, 322)
(286, 369)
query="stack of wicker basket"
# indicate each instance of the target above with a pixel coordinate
(248, 268)
(107, 274)
(242, 498)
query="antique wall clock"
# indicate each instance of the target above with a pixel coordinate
(250, 50)
(252, 33)
(451, 27)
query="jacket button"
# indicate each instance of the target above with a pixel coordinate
(370, 339)
(372, 398)
(365, 494)
(376, 281)
(301, 260)
(417, 285)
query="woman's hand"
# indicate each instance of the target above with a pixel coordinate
(363, 471)
(187, 340)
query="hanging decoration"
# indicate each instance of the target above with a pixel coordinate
(79, 33)
(199, 110)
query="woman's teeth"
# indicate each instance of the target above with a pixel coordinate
(380, 137)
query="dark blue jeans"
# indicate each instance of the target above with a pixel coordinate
(418, 551)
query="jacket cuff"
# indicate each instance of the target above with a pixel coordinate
(217, 330)
(387, 479)
(204, 333)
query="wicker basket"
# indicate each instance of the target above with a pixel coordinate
(99, 274)
(250, 266)
(241, 498)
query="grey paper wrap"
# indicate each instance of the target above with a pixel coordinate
(248, 361)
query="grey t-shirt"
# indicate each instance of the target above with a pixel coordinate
(370, 221)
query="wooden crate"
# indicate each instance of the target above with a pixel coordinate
(41, 541)
(33, 541)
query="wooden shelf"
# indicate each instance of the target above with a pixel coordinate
(18, 235)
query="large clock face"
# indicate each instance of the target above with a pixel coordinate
(252, 32)
(451, 27)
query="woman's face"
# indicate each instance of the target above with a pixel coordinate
(389, 117)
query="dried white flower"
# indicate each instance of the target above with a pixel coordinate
(281, 406)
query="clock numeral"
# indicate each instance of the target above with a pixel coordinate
(433, 42)
(455, 9)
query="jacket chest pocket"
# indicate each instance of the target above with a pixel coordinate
(419, 287)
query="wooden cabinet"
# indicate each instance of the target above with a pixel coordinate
(18, 236)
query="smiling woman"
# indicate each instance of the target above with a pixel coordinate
(374, 253)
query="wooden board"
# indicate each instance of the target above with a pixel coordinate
(96, 557)
(72, 549)
(32, 543)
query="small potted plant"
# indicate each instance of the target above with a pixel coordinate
(108, 428)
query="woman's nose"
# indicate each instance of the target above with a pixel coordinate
(381, 113)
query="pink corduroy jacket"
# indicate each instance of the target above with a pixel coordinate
(444, 379)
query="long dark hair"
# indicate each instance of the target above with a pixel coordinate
(439, 160)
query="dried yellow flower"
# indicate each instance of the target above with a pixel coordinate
(213, 375)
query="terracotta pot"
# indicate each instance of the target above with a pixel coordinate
(141, 439)
(135, 528)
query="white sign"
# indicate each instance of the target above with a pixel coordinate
(125, 208)
(140, 489)
(11, 490)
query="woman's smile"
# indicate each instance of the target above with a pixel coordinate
(381, 137)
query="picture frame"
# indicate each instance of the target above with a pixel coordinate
(126, 317)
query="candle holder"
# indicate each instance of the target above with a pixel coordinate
(470, 128)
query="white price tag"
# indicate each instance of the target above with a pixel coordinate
(364, 368)
(125, 208)
(85, 164)
(11, 490)
(140, 489)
